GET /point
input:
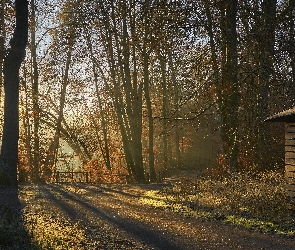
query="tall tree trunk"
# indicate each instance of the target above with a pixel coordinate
(106, 152)
(126, 89)
(164, 110)
(12, 63)
(116, 70)
(233, 75)
(136, 127)
(266, 57)
(53, 148)
(146, 86)
(26, 121)
(133, 94)
(2, 43)
(292, 49)
(215, 66)
(230, 97)
(176, 110)
(35, 93)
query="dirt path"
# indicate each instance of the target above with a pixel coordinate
(111, 217)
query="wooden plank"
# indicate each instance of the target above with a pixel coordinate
(290, 142)
(289, 168)
(290, 148)
(289, 161)
(290, 187)
(290, 180)
(291, 175)
(290, 129)
(289, 136)
(289, 124)
(290, 155)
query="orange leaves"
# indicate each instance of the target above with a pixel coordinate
(101, 174)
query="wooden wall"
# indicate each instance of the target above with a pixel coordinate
(290, 159)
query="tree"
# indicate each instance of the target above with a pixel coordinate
(35, 93)
(146, 86)
(68, 28)
(229, 82)
(12, 62)
(2, 41)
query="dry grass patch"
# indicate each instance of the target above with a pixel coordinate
(251, 200)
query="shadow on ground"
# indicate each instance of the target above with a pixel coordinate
(134, 228)
(13, 233)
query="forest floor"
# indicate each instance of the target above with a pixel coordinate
(83, 216)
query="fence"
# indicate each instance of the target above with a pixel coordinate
(83, 176)
(62, 177)
(59, 177)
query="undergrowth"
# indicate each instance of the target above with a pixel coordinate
(255, 201)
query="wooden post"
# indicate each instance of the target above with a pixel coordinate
(147, 178)
(86, 177)
(57, 177)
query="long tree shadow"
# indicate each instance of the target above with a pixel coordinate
(121, 191)
(136, 229)
(13, 233)
(106, 189)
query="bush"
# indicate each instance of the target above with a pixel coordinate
(248, 195)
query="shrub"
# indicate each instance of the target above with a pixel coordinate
(248, 195)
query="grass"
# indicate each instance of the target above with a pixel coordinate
(244, 199)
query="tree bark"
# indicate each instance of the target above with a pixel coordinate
(230, 88)
(133, 94)
(35, 93)
(127, 90)
(149, 108)
(164, 110)
(26, 122)
(53, 148)
(176, 110)
(12, 63)
(2, 43)
(117, 73)
(106, 152)
(292, 49)
(265, 60)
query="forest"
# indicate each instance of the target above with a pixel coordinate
(137, 88)
(156, 110)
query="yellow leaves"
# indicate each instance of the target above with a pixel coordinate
(52, 232)
(75, 189)
(254, 201)
(153, 198)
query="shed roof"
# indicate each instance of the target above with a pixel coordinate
(284, 116)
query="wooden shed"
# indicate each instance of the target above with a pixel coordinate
(288, 117)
